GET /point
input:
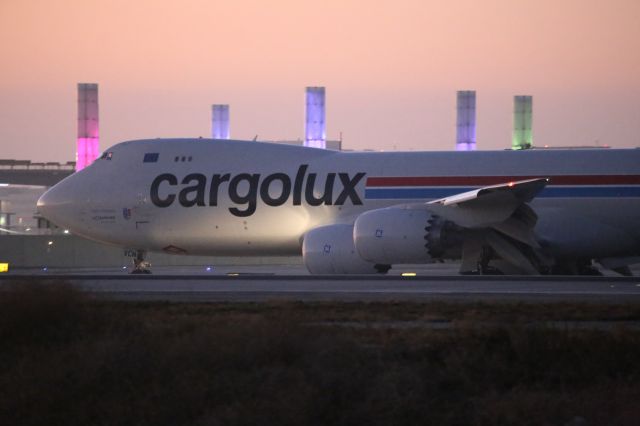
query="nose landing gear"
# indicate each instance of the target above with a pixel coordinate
(141, 266)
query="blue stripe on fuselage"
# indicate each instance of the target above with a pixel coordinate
(549, 192)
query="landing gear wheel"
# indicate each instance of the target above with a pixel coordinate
(589, 271)
(483, 264)
(575, 267)
(382, 269)
(625, 271)
(141, 266)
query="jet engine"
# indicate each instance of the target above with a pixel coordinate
(404, 235)
(330, 250)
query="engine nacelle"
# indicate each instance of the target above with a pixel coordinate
(399, 235)
(330, 250)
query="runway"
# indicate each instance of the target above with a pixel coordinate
(257, 287)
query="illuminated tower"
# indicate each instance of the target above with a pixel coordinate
(88, 143)
(522, 116)
(466, 121)
(315, 131)
(220, 122)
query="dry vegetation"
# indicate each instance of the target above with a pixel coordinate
(66, 359)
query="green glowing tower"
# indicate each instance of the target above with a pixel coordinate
(522, 114)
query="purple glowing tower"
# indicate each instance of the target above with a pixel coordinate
(87, 148)
(220, 122)
(466, 121)
(315, 131)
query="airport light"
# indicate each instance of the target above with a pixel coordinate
(87, 144)
(315, 127)
(220, 122)
(466, 121)
(522, 122)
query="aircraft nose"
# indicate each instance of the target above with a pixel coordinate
(57, 203)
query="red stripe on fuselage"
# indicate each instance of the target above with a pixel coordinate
(496, 180)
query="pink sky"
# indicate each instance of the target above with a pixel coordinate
(391, 69)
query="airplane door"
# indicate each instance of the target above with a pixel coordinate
(141, 213)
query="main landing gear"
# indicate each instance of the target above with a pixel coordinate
(141, 266)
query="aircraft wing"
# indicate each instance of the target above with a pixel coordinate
(524, 190)
(499, 217)
(489, 205)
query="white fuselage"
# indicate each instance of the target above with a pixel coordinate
(219, 197)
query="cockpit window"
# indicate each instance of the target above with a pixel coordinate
(106, 156)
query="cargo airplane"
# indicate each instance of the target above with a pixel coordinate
(511, 212)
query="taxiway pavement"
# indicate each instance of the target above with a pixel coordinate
(256, 287)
